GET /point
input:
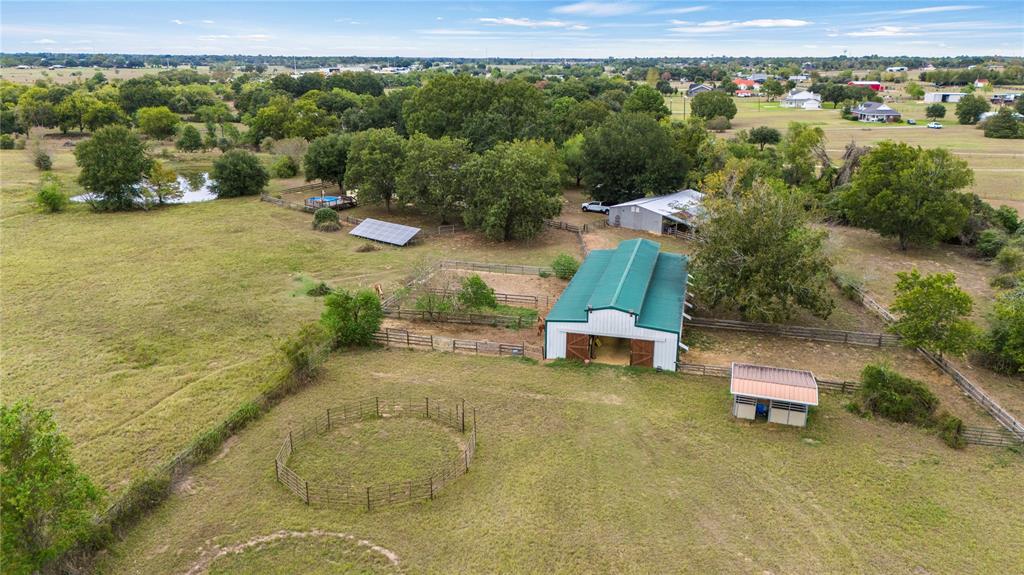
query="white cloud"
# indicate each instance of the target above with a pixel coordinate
(934, 9)
(44, 41)
(598, 8)
(207, 21)
(450, 32)
(882, 31)
(719, 26)
(347, 21)
(686, 10)
(178, 22)
(249, 37)
(681, 22)
(439, 18)
(528, 23)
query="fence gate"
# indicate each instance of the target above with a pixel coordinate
(577, 346)
(641, 352)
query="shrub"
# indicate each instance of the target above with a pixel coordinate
(367, 247)
(1008, 218)
(285, 167)
(476, 294)
(1007, 281)
(718, 124)
(6, 142)
(849, 285)
(544, 273)
(564, 266)
(306, 351)
(935, 111)
(434, 303)
(886, 393)
(50, 197)
(238, 173)
(158, 122)
(951, 430)
(1003, 348)
(42, 160)
(991, 241)
(351, 318)
(319, 290)
(1010, 258)
(326, 220)
(189, 139)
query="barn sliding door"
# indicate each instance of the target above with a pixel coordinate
(577, 346)
(641, 353)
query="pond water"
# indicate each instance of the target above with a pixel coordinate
(194, 188)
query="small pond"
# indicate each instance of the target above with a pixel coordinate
(194, 188)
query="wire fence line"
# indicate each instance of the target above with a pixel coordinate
(496, 320)
(453, 414)
(400, 338)
(518, 269)
(799, 332)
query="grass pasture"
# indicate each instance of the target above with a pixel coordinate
(611, 470)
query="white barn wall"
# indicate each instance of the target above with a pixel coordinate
(613, 323)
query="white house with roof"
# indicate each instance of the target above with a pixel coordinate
(875, 112)
(802, 99)
(658, 214)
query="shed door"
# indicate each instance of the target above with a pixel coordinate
(641, 353)
(577, 346)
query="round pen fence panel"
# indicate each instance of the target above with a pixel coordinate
(453, 414)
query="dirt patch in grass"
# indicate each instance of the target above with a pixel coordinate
(831, 361)
(529, 334)
(546, 289)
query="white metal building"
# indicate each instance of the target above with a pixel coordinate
(944, 97)
(658, 213)
(781, 395)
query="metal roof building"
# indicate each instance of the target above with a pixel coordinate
(783, 395)
(656, 214)
(622, 306)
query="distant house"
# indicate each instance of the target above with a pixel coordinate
(943, 97)
(695, 89)
(986, 115)
(658, 214)
(807, 66)
(875, 112)
(22, 67)
(981, 83)
(896, 69)
(624, 306)
(799, 78)
(759, 77)
(746, 84)
(802, 99)
(876, 86)
(56, 67)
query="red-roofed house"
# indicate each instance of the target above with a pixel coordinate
(744, 93)
(981, 83)
(746, 84)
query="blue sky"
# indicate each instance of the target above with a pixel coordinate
(587, 29)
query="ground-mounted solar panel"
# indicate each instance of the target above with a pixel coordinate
(387, 232)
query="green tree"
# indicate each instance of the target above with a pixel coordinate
(630, 156)
(189, 139)
(932, 313)
(1004, 344)
(113, 161)
(772, 88)
(159, 122)
(326, 159)
(970, 108)
(708, 105)
(909, 193)
(48, 503)
(729, 87)
(476, 294)
(432, 174)
(572, 156)
(935, 111)
(443, 105)
(162, 183)
(764, 135)
(758, 255)
(914, 90)
(217, 113)
(799, 158)
(72, 110)
(51, 197)
(238, 173)
(104, 114)
(351, 318)
(565, 266)
(646, 100)
(512, 189)
(1003, 125)
(374, 162)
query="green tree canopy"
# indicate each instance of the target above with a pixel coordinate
(646, 100)
(326, 159)
(351, 318)
(970, 108)
(159, 122)
(935, 111)
(772, 88)
(48, 503)
(374, 160)
(630, 156)
(800, 161)
(1004, 343)
(572, 156)
(708, 105)
(764, 135)
(932, 313)
(909, 193)
(1004, 125)
(513, 188)
(432, 174)
(113, 161)
(189, 139)
(238, 173)
(758, 255)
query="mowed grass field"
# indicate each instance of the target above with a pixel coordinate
(998, 164)
(143, 329)
(607, 470)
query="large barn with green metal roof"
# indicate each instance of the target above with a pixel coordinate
(624, 306)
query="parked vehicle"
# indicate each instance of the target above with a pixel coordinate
(935, 125)
(912, 122)
(601, 207)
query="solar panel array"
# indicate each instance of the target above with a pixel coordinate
(387, 232)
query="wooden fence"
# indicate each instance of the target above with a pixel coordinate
(725, 371)
(512, 321)
(560, 225)
(404, 339)
(452, 414)
(991, 437)
(1003, 417)
(539, 302)
(811, 333)
(498, 268)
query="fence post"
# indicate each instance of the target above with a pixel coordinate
(428, 406)
(328, 419)
(431, 486)
(879, 340)
(277, 469)
(291, 445)
(368, 498)
(474, 425)
(463, 416)
(465, 458)
(307, 491)
(376, 401)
